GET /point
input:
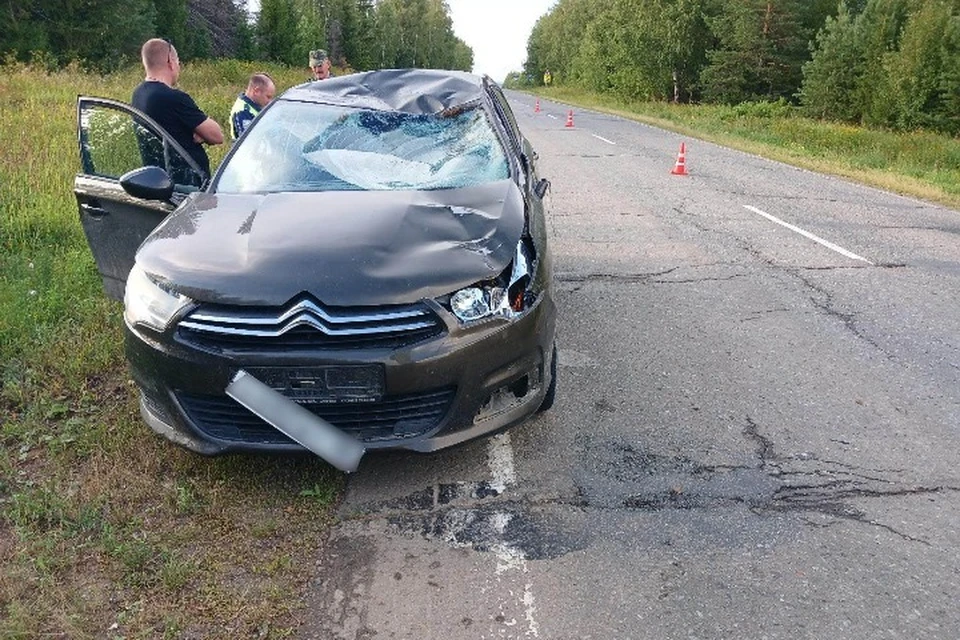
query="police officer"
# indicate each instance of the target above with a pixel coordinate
(260, 91)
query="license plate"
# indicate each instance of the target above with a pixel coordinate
(327, 385)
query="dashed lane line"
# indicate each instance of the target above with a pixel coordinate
(807, 234)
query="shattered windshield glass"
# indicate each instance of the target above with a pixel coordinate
(310, 147)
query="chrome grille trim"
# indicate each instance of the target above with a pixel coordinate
(306, 306)
(395, 324)
(222, 328)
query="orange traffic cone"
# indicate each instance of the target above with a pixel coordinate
(570, 119)
(680, 169)
(536, 109)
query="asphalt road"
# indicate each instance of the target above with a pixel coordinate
(755, 434)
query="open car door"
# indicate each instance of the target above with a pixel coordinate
(114, 139)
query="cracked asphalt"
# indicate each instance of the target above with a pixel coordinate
(755, 435)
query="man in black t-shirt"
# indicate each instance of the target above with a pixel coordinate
(174, 110)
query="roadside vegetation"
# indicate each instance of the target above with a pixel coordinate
(880, 63)
(922, 164)
(867, 89)
(107, 531)
(357, 34)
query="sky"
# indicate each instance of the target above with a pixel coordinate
(497, 31)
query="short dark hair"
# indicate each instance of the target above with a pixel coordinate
(259, 81)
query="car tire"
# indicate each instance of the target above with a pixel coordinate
(551, 394)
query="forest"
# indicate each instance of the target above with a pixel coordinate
(879, 63)
(104, 35)
(888, 63)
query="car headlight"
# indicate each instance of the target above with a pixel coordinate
(504, 298)
(150, 304)
(475, 303)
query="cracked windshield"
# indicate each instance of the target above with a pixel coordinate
(300, 147)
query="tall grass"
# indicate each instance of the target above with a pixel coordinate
(921, 164)
(105, 530)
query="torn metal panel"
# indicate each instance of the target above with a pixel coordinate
(417, 91)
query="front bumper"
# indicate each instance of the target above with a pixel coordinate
(443, 391)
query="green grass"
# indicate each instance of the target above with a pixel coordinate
(920, 164)
(107, 531)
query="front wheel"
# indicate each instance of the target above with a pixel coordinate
(552, 389)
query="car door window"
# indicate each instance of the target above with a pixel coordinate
(114, 140)
(507, 114)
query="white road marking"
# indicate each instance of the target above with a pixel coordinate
(815, 238)
(500, 459)
(509, 558)
(550, 115)
(604, 139)
(530, 609)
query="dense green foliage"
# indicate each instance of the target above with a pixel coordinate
(358, 34)
(896, 63)
(893, 63)
(361, 34)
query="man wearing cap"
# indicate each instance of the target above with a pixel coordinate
(319, 64)
(259, 93)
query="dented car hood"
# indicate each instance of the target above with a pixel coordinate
(345, 248)
(414, 91)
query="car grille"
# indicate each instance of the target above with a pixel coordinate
(393, 418)
(306, 324)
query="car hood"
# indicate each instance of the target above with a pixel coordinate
(343, 247)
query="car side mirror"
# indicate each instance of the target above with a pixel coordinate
(148, 183)
(542, 187)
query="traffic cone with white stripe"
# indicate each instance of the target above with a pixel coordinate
(536, 108)
(680, 169)
(569, 124)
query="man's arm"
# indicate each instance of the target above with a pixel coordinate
(208, 131)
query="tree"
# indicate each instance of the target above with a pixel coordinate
(762, 45)
(462, 56)
(213, 26)
(310, 31)
(880, 25)
(247, 41)
(534, 66)
(361, 47)
(103, 35)
(358, 34)
(830, 78)
(687, 41)
(915, 72)
(277, 31)
(24, 30)
(171, 24)
(387, 29)
(947, 109)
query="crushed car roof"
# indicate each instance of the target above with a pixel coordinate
(414, 91)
